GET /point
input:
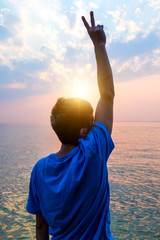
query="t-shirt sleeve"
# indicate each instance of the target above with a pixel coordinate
(33, 205)
(101, 141)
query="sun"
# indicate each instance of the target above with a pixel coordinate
(80, 90)
(83, 89)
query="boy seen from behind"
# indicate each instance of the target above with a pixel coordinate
(69, 190)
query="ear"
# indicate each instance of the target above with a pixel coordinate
(83, 132)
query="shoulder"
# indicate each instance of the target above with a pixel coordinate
(98, 140)
(103, 139)
(99, 130)
(40, 164)
(100, 127)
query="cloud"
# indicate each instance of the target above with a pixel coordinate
(4, 33)
(93, 5)
(136, 67)
(154, 25)
(23, 79)
(154, 4)
(50, 45)
(125, 23)
(45, 49)
(8, 23)
(33, 65)
(139, 46)
(16, 85)
(156, 58)
(7, 18)
(137, 12)
(135, 58)
(122, 24)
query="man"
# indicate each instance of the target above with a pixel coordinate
(69, 190)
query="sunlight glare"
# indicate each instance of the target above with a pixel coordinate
(80, 90)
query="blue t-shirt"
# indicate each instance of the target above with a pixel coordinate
(72, 192)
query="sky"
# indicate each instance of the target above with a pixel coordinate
(45, 53)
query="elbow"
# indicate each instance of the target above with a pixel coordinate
(107, 92)
(108, 95)
(112, 94)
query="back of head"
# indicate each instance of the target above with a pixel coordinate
(68, 116)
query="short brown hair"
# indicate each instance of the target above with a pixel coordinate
(68, 116)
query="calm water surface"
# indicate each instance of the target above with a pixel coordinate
(133, 172)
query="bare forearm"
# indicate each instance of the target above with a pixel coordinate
(104, 72)
(42, 233)
(41, 228)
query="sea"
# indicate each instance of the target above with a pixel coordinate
(134, 176)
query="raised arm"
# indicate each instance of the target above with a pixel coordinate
(104, 110)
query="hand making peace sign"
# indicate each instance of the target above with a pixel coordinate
(95, 32)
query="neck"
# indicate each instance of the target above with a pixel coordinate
(64, 150)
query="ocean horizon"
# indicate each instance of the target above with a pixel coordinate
(134, 177)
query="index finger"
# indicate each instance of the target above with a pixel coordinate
(92, 19)
(85, 23)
